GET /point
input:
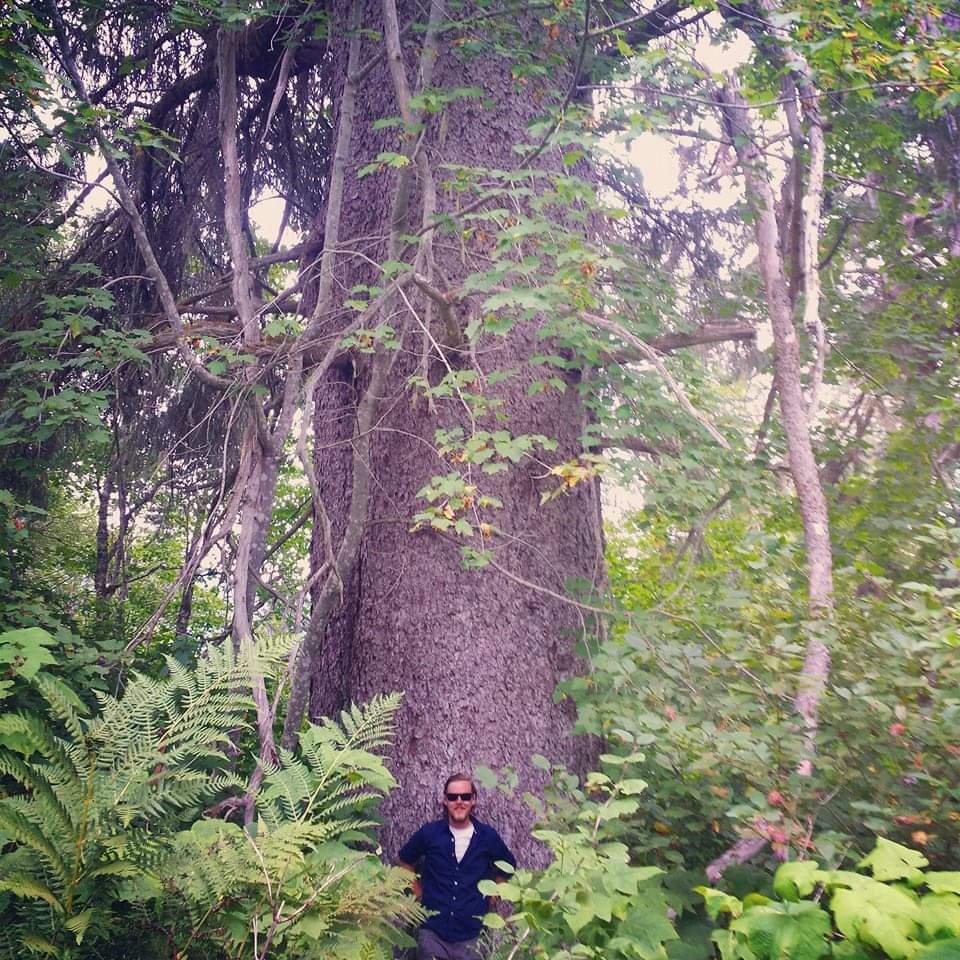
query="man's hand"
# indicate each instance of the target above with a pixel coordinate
(416, 887)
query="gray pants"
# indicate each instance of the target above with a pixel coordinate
(432, 947)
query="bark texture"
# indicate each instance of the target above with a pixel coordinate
(477, 654)
(794, 413)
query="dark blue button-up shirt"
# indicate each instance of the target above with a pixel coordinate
(450, 888)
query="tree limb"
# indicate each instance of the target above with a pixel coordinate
(707, 333)
(651, 356)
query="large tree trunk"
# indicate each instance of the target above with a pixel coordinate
(477, 653)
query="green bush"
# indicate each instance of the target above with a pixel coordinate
(899, 911)
(592, 900)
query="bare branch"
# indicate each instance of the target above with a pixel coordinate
(746, 848)
(707, 333)
(242, 280)
(651, 356)
(130, 208)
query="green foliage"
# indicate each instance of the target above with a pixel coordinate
(303, 876)
(95, 824)
(591, 901)
(96, 793)
(701, 674)
(900, 912)
(692, 688)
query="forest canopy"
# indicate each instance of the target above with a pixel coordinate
(562, 392)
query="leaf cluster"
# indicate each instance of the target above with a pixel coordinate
(899, 912)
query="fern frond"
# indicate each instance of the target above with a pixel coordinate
(40, 738)
(80, 922)
(285, 790)
(65, 705)
(20, 828)
(31, 777)
(371, 726)
(21, 885)
(38, 944)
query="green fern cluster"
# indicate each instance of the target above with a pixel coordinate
(96, 795)
(303, 879)
(98, 844)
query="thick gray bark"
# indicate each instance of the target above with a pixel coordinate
(477, 655)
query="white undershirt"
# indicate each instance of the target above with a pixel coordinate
(461, 840)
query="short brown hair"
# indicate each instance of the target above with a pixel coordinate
(460, 776)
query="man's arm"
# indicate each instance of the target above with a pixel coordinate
(501, 852)
(416, 886)
(409, 854)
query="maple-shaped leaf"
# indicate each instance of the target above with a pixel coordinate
(879, 915)
(891, 861)
(785, 931)
(940, 915)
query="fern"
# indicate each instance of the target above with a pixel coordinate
(99, 797)
(95, 829)
(306, 868)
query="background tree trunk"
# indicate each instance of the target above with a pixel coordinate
(478, 653)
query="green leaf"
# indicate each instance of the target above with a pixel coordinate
(943, 881)
(313, 924)
(940, 950)
(26, 650)
(796, 879)
(718, 902)
(39, 944)
(881, 916)
(891, 861)
(785, 931)
(78, 923)
(940, 914)
(23, 886)
(485, 777)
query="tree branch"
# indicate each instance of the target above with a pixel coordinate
(651, 356)
(129, 207)
(707, 333)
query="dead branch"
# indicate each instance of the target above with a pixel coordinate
(129, 207)
(704, 334)
(651, 356)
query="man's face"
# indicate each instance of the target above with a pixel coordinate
(458, 809)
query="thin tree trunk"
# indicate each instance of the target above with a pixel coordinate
(794, 413)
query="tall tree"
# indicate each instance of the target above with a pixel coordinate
(479, 651)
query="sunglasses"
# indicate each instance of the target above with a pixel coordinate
(466, 797)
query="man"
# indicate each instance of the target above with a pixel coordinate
(453, 855)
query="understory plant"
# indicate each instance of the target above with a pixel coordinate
(109, 846)
(891, 907)
(700, 675)
(592, 899)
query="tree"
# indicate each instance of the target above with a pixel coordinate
(413, 351)
(480, 650)
(480, 635)
(471, 323)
